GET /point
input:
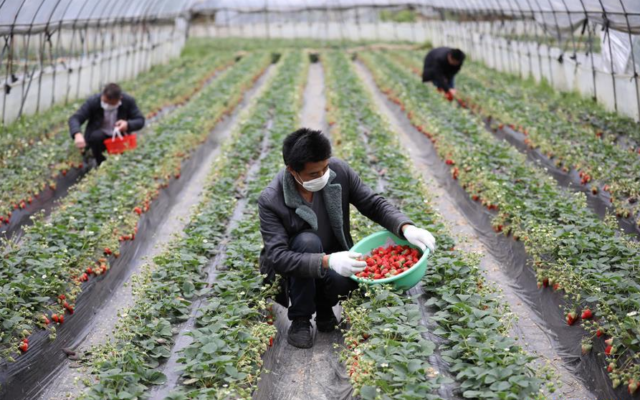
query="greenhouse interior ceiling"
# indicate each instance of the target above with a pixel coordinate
(324, 200)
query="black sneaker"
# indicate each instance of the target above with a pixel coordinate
(300, 333)
(326, 321)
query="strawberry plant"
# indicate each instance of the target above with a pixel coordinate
(589, 261)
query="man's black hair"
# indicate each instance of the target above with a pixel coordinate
(303, 146)
(112, 91)
(457, 55)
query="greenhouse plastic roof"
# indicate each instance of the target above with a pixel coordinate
(33, 15)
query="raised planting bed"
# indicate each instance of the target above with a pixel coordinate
(387, 347)
(588, 263)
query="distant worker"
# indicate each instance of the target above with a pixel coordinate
(106, 112)
(304, 221)
(441, 66)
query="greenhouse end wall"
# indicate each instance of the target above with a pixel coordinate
(78, 78)
(583, 75)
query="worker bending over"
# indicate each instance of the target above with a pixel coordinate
(441, 66)
(106, 112)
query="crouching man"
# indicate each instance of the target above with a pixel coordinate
(113, 109)
(304, 221)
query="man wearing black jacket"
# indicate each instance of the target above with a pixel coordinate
(105, 112)
(304, 222)
(441, 66)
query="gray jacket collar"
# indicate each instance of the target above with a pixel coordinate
(332, 195)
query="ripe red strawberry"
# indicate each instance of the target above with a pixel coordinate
(89, 271)
(571, 318)
(60, 319)
(55, 318)
(609, 350)
(545, 282)
(62, 297)
(449, 161)
(84, 277)
(107, 251)
(599, 332)
(587, 314)
(271, 341)
(455, 173)
(137, 210)
(24, 346)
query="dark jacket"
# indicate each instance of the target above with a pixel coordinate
(437, 68)
(92, 110)
(283, 215)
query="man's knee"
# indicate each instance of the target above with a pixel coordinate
(306, 242)
(337, 285)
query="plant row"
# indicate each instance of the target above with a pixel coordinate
(231, 325)
(386, 350)
(592, 264)
(44, 273)
(34, 167)
(562, 127)
(237, 320)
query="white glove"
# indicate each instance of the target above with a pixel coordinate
(421, 238)
(345, 263)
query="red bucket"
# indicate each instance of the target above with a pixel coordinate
(118, 145)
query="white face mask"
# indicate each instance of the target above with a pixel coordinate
(315, 185)
(109, 107)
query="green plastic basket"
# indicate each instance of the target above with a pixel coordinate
(403, 281)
